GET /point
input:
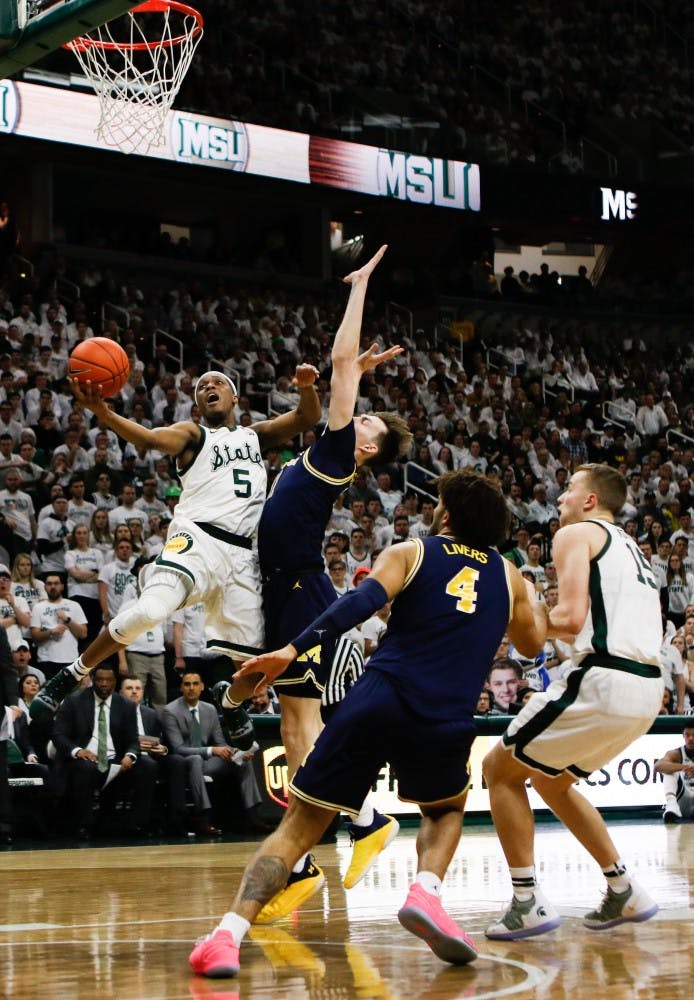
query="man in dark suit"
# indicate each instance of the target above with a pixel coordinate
(154, 754)
(194, 735)
(8, 693)
(95, 729)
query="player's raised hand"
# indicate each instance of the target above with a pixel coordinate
(88, 394)
(370, 359)
(266, 667)
(305, 376)
(364, 273)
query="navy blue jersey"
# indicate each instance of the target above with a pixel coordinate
(445, 627)
(292, 525)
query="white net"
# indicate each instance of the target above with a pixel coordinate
(135, 75)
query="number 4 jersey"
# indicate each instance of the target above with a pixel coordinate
(225, 482)
(445, 627)
(624, 617)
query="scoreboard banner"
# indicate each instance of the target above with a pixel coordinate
(498, 196)
(66, 116)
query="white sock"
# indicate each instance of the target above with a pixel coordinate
(235, 924)
(524, 883)
(228, 701)
(299, 866)
(366, 814)
(78, 668)
(617, 877)
(430, 882)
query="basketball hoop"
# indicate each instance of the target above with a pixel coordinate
(136, 75)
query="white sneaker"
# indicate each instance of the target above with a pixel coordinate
(671, 813)
(631, 906)
(525, 919)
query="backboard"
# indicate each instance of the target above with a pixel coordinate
(30, 29)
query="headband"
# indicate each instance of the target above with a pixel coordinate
(222, 375)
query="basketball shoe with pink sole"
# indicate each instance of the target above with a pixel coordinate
(424, 916)
(216, 956)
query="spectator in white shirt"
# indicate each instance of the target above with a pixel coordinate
(650, 417)
(53, 536)
(126, 510)
(76, 457)
(540, 511)
(283, 397)
(337, 571)
(56, 626)
(665, 491)
(582, 379)
(685, 531)
(17, 508)
(79, 510)
(389, 497)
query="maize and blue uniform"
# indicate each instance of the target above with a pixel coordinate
(296, 588)
(414, 705)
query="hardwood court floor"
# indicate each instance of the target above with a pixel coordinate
(119, 922)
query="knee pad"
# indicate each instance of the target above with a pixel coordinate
(165, 592)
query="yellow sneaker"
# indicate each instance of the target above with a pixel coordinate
(367, 844)
(300, 887)
(283, 951)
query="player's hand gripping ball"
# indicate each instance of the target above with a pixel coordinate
(100, 361)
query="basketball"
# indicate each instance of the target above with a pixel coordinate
(100, 361)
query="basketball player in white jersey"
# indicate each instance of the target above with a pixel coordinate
(677, 769)
(208, 555)
(609, 609)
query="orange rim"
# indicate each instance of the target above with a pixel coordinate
(148, 7)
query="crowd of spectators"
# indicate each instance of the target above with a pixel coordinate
(511, 84)
(530, 399)
(585, 61)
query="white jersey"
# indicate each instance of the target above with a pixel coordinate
(624, 616)
(226, 482)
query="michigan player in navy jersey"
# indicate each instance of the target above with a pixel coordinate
(609, 609)
(208, 554)
(453, 598)
(295, 585)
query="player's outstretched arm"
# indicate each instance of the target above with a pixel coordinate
(385, 582)
(345, 351)
(303, 417)
(171, 440)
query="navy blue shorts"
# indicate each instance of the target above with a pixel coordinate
(374, 726)
(291, 603)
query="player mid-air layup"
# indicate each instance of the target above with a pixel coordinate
(208, 554)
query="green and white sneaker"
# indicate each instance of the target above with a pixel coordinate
(47, 701)
(632, 906)
(525, 919)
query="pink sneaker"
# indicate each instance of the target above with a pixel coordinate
(216, 956)
(424, 916)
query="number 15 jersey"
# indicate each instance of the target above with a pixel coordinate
(445, 627)
(624, 616)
